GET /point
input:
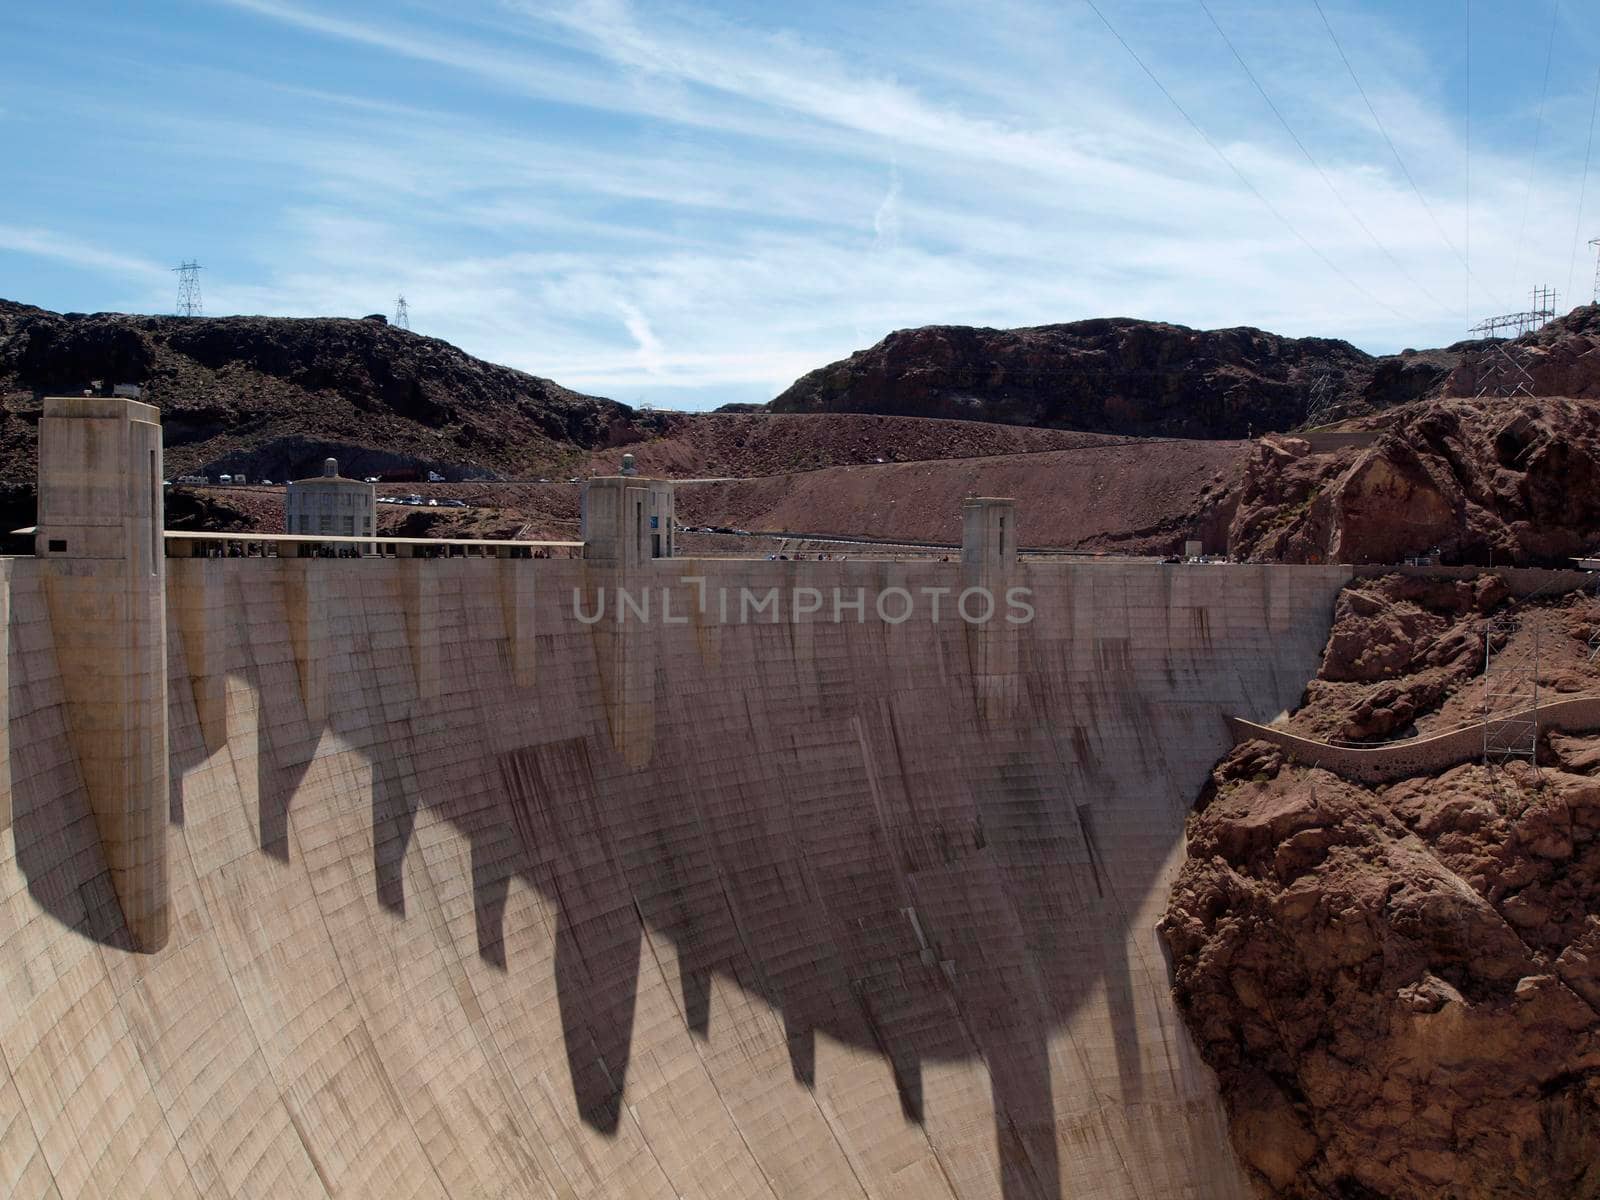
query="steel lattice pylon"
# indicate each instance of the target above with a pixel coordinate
(188, 274)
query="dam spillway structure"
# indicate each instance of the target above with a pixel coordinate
(770, 879)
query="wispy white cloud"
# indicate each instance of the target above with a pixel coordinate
(886, 217)
(655, 201)
(64, 248)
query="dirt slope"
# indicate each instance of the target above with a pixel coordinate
(1143, 497)
(700, 445)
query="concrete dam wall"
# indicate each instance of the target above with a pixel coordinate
(469, 897)
(628, 876)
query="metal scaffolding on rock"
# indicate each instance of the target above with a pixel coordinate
(1322, 400)
(1511, 698)
(1504, 375)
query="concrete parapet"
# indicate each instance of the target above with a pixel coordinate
(103, 568)
(1415, 756)
(1328, 441)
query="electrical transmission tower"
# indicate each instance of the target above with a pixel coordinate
(1595, 242)
(189, 289)
(402, 314)
(1511, 695)
(1504, 376)
(1542, 310)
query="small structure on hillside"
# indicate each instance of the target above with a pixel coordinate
(331, 504)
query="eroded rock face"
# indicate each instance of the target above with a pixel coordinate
(1398, 989)
(1478, 480)
(273, 396)
(1398, 649)
(1115, 375)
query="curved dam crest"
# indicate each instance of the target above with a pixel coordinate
(457, 893)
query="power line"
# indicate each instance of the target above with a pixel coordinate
(1394, 150)
(1232, 166)
(1538, 130)
(1310, 158)
(1583, 188)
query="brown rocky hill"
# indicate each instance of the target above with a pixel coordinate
(1399, 986)
(1560, 359)
(1115, 375)
(1479, 480)
(272, 396)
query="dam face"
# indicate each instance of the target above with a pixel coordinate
(472, 889)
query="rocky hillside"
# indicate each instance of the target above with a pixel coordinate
(1116, 376)
(1399, 987)
(272, 396)
(1479, 480)
(1561, 359)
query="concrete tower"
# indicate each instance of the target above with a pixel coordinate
(103, 567)
(989, 569)
(627, 524)
(628, 521)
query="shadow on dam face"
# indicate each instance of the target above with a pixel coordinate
(837, 923)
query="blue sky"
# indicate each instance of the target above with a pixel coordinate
(687, 204)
